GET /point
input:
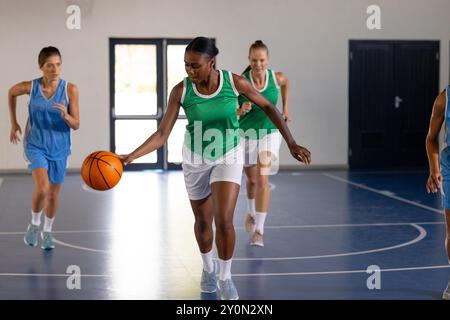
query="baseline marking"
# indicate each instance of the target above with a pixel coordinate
(383, 193)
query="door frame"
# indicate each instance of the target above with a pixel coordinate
(161, 90)
(351, 45)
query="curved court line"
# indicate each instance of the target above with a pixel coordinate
(79, 247)
(238, 274)
(54, 232)
(297, 173)
(304, 226)
(55, 275)
(86, 188)
(421, 236)
(311, 226)
(383, 193)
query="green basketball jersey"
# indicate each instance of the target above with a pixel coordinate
(256, 119)
(212, 128)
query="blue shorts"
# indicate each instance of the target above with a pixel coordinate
(445, 171)
(56, 168)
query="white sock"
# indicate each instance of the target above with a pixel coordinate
(260, 218)
(251, 207)
(208, 264)
(36, 218)
(48, 223)
(225, 269)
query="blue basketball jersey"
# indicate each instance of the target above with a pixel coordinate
(46, 131)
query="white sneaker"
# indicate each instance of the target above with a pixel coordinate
(250, 223)
(257, 239)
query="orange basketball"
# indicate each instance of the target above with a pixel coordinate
(101, 170)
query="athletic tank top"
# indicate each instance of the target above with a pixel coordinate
(212, 128)
(46, 131)
(256, 119)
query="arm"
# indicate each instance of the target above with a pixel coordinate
(15, 91)
(283, 82)
(159, 138)
(432, 143)
(244, 88)
(71, 118)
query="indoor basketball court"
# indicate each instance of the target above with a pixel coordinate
(101, 197)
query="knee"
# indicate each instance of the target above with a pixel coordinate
(263, 182)
(224, 226)
(252, 181)
(42, 190)
(52, 195)
(202, 225)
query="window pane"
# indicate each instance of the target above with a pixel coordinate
(135, 79)
(130, 134)
(175, 143)
(175, 67)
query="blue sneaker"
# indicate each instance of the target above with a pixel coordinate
(47, 241)
(208, 284)
(31, 236)
(227, 290)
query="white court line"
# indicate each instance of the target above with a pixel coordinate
(312, 226)
(421, 236)
(1, 181)
(336, 272)
(80, 247)
(301, 226)
(383, 193)
(54, 275)
(388, 172)
(56, 232)
(238, 274)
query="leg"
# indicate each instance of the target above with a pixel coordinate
(203, 213)
(56, 174)
(262, 181)
(262, 196)
(41, 187)
(225, 195)
(447, 237)
(446, 294)
(251, 181)
(251, 174)
(52, 200)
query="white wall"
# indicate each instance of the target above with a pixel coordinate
(308, 40)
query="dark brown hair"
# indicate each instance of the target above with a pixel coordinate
(46, 53)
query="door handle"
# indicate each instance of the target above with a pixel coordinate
(398, 100)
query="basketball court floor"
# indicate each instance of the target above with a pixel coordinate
(323, 232)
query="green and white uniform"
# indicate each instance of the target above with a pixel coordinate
(258, 130)
(212, 150)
